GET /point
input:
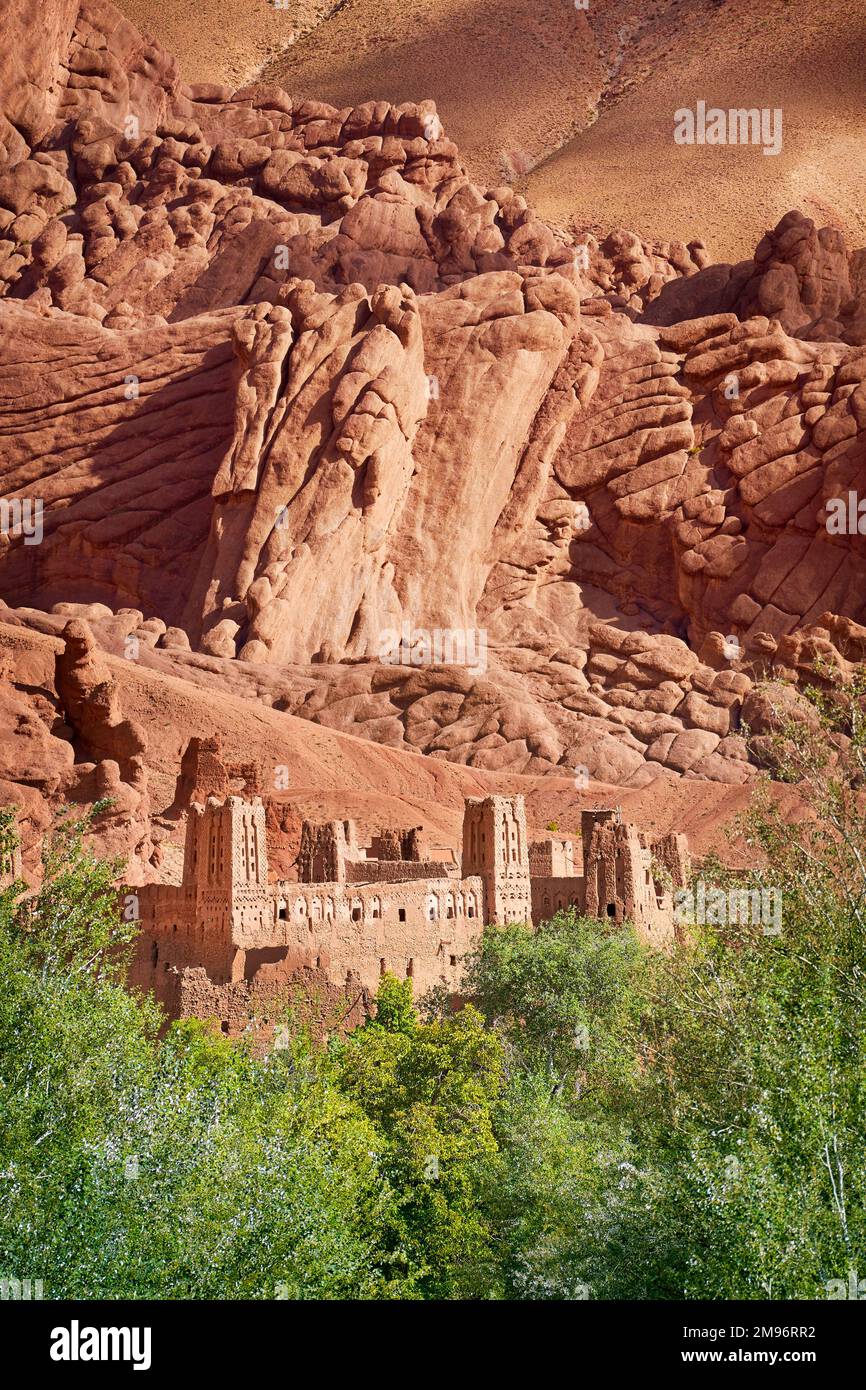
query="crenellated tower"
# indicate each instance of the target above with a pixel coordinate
(496, 849)
(226, 848)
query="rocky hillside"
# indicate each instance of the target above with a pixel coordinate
(280, 387)
(573, 100)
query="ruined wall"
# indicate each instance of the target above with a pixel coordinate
(620, 884)
(408, 845)
(607, 815)
(551, 858)
(202, 772)
(396, 844)
(256, 1007)
(344, 937)
(206, 772)
(396, 870)
(418, 930)
(331, 853)
(323, 852)
(671, 852)
(555, 893)
(180, 928)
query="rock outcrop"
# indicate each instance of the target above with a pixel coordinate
(305, 415)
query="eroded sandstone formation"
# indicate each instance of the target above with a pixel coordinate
(282, 381)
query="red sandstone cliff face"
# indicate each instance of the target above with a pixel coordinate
(284, 381)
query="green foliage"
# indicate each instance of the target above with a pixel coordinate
(566, 999)
(394, 1010)
(746, 1128)
(430, 1090)
(760, 1042)
(149, 1162)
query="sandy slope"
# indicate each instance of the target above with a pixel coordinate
(332, 775)
(808, 61)
(225, 40)
(585, 100)
(511, 81)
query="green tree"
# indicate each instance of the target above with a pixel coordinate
(430, 1090)
(567, 999)
(748, 1125)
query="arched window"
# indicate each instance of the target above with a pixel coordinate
(432, 908)
(375, 907)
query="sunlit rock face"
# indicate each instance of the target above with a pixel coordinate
(355, 439)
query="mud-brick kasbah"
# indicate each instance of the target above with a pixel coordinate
(228, 939)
